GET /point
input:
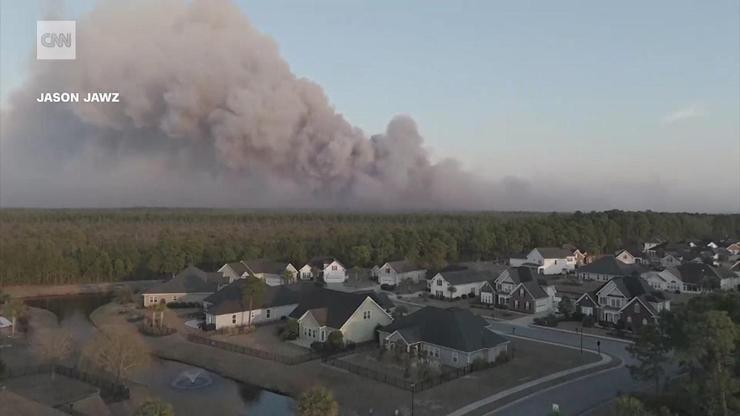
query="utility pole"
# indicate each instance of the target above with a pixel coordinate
(581, 331)
(413, 387)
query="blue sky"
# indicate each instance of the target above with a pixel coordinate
(633, 91)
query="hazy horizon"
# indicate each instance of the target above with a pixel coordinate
(515, 107)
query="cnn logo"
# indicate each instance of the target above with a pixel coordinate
(56, 39)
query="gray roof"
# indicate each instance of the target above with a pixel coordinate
(490, 266)
(535, 289)
(238, 267)
(459, 277)
(454, 328)
(229, 299)
(554, 252)
(609, 265)
(190, 280)
(267, 266)
(635, 286)
(403, 266)
(330, 307)
(695, 273)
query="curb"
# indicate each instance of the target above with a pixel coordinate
(567, 331)
(557, 379)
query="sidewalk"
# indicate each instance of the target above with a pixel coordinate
(514, 394)
(585, 334)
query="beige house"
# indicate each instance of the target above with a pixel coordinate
(190, 285)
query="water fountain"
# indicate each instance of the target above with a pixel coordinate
(195, 378)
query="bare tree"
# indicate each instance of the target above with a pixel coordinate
(117, 352)
(51, 346)
(14, 308)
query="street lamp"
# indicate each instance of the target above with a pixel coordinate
(413, 387)
(598, 345)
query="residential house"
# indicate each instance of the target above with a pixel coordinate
(274, 273)
(663, 280)
(732, 246)
(394, 272)
(607, 267)
(519, 289)
(227, 307)
(452, 337)
(190, 285)
(456, 283)
(579, 255)
(234, 271)
(700, 277)
(327, 268)
(323, 311)
(627, 300)
(319, 311)
(629, 256)
(547, 260)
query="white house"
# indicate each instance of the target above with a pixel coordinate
(190, 285)
(327, 268)
(517, 288)
(274, 273)
(454, 284)
(663, 280)
(234, 271)
(548, 260)
(395, 272)
(227, 307)
(324, 311)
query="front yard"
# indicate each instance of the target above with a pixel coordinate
(265, 338)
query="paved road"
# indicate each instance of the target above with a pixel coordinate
(579, 396)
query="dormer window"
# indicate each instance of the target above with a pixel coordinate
(334, 268)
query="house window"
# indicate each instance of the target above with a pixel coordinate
(516, 304)
(334, 268)
(521, 292)
(644, 321)
(629, 319)
(454, 357)
(322, 335)
(526, 305)
(388, 270)
(435, 352)
(268, 313)
(637, 307)
(439, 282)
(366, 315)
(233, 319)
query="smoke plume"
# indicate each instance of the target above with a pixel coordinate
(207, 98)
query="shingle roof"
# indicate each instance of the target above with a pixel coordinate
(554, 252)
(454, 328)
(320, 262)
(238, 267)
(695, 273)
(266, 266)
(460, 277)
(609, 265)
(190, 280)
(229, 299)
(535, 289)
(332, 307)
(403, 266)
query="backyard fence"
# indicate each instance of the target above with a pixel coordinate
(110, 390)
(265, 355)
(400, 382)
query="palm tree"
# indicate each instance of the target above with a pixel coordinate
(14, 308)
(252, 293)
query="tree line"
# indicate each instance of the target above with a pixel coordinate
(71, 246)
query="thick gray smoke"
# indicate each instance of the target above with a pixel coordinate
(207, 97)
(212, 116)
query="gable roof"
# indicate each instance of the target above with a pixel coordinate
(331, 308)
(554, 252)
(609, 265)
(635, 286)
(189, 280)
(260, 266)
(238, 267)
(695, 273)
(454, 328)
(534, 289)
(403, 266)
(460, 277)
(229, 299)
(321, 262)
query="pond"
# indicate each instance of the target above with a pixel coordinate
(171, 381)
(73, 311)
(164, 379)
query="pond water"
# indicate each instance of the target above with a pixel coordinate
(164, 379)
(219, 395)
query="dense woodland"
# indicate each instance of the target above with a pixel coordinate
(69, 246)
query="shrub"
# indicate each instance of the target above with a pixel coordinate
(123, 295)
(549, 320)
(577, 316)
(289, 331)
(588, 321)
(176, 305)
(156, 331)
(335, 341)
(464, 296)
(386, 286)
(479, 364)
